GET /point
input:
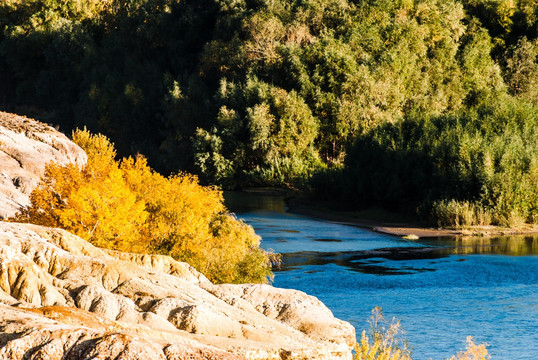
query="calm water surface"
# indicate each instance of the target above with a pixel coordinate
(441, 290)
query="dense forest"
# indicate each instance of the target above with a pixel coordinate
(427, 105)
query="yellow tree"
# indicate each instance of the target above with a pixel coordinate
(189, 222)
(129, 207)
(93, 202)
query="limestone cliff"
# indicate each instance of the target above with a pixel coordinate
(63, 298)
(26, 146)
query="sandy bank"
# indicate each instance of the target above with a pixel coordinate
(401, 228)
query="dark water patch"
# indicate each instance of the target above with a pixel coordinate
(238, 201)
(381, 270)
(362, 260)
(328, 240)
(365, 261)
(281, 240)
(289, 231)
(260, 220)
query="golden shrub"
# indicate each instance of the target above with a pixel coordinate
(127, 206)
(93, 202)
(386, 342)
(473, 352)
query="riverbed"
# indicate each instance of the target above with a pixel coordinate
(442, 290)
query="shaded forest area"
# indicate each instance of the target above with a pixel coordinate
(428, 105)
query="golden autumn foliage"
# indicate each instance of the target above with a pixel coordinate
(190, 223)
(93, 202)
(127, 206)
(366, 350)
(386, 342)
(473, 352)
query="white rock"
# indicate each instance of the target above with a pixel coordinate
(48, 268)
(26, 146)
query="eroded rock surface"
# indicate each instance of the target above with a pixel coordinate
(61, 296)
(26, 146)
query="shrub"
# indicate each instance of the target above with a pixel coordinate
(94, 202)
(473, 352)
(474, 167)
(386, 342)
(453, 213)
(127, 206)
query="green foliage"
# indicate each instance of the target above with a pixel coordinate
(507, 21)
(452, 213)
(522, 69)
(110, 66)
(263, 135)
(270, 92)
(468, 168)
(127, 206)
(144, 73)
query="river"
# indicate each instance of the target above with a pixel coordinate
(442, 290)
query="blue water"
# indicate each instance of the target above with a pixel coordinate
(442, 290)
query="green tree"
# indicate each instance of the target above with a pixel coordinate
(264, 135)
(522, 70)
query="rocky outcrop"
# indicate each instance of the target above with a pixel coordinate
(55, 332)
(26, 146)
(61, 297)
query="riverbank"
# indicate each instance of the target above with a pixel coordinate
(489, 280)
(396, 224)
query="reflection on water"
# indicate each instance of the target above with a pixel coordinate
(329, 240)
(503, 245)
(242, 202)
(360, 260)
(441, 289)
